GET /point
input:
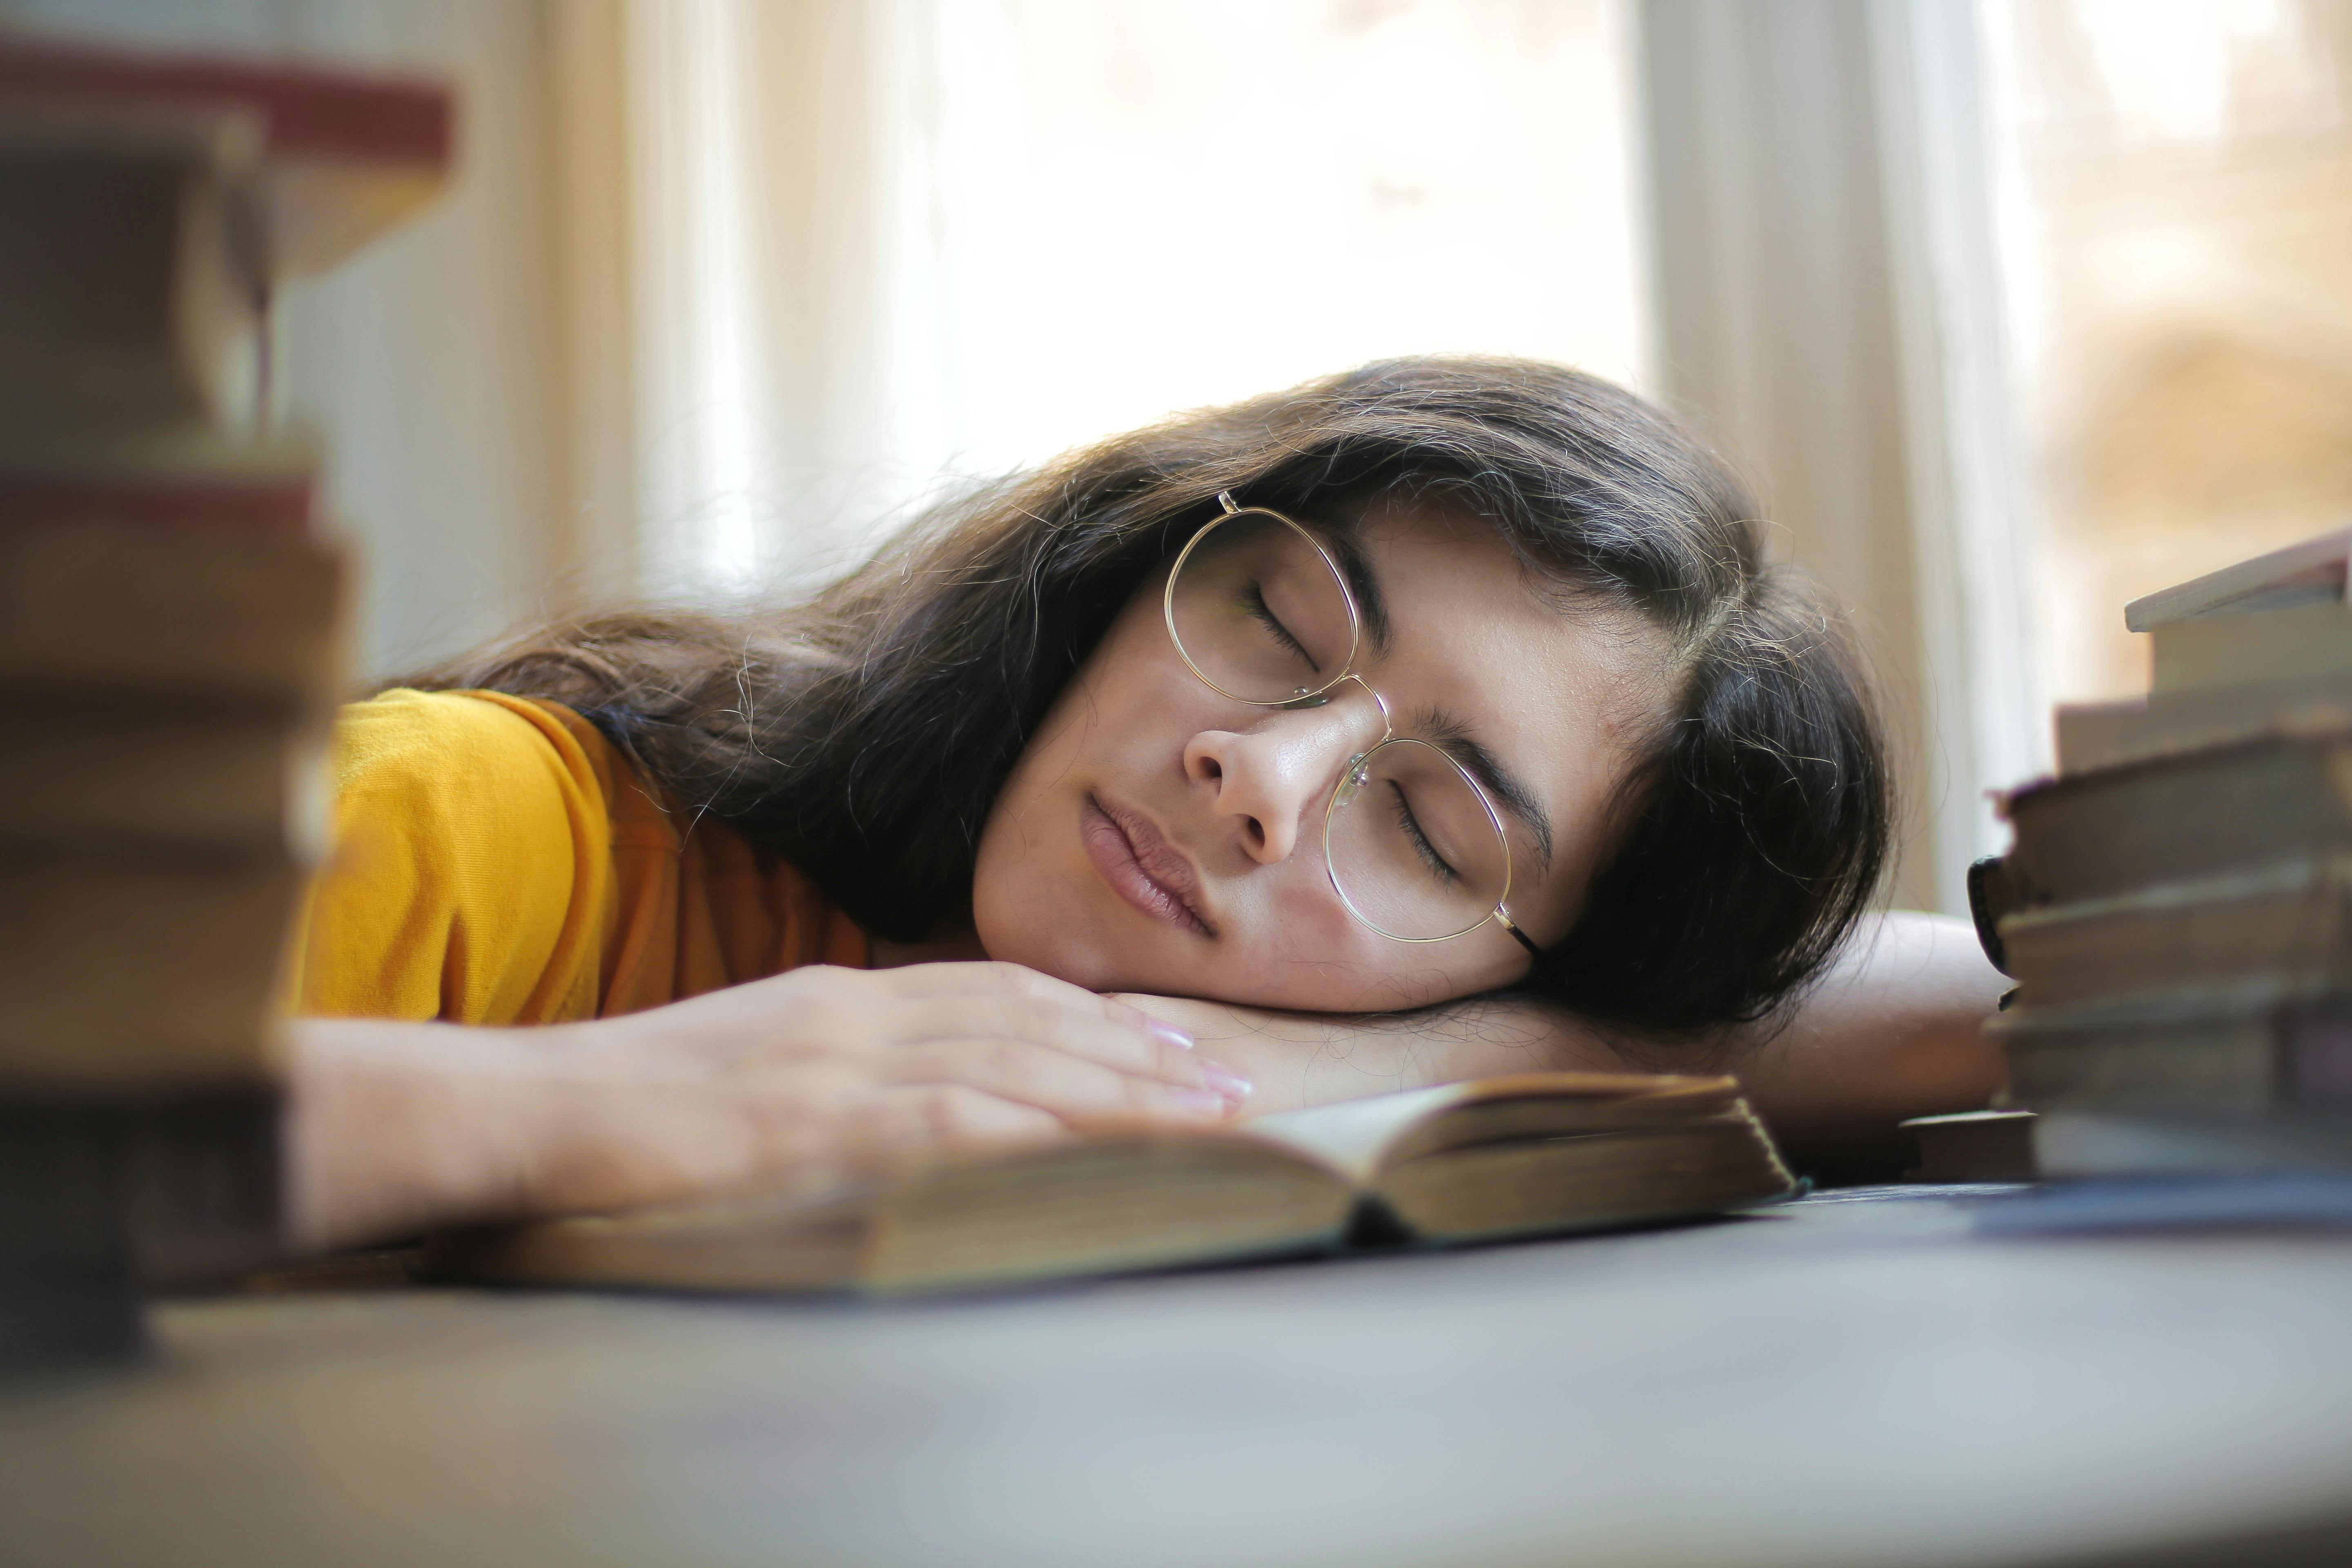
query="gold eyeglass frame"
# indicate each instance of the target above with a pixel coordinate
(1358, 769)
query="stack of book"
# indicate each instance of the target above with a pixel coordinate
(2177, 907)
(171, 622)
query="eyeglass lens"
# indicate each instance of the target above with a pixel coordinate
(1259, 613)
(1412, 847)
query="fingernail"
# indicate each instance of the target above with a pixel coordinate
(1168, 1033)
(1208, 1102)
(1230, 1084)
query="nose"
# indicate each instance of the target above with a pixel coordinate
(1267, 780)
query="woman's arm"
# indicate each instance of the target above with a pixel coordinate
(822, 1073)
(802, 1079)
(1893, 1031)
(1890, 1032)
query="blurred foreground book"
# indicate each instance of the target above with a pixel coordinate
(172, 622)
(1534, 1154)
(2177, 906)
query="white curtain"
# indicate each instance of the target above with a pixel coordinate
(1831, 303)
(879, 246)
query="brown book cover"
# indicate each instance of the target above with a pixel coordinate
(2242, 1049)
(2311, 571)
(238, 615)
(2288, 923)
(116, 773)
(1972, 1146)
(2093, 736)
(2173, 818)
(142, 969)
(178, 477)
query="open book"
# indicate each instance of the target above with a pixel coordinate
(1525, 1155)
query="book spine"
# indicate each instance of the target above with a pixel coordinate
(2290, 924)
(145, 971)
(127, 296)
(122, 609)
(2128, 829)
(238, 780)
(102, 1192)
(305, 111)
(263, 504)
(2095, 737)
(2075, 1143)
(171, 628)
(2242, 1052)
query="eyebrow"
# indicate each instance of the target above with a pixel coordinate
(1484, 766)
(1357, 568)
(1446, 732)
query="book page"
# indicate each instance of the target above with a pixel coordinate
(1348, 1136)
(1353, 1135)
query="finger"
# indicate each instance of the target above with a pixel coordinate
(1150, 1050)
(943, 980)
(951, 1118)
(1066, 1086)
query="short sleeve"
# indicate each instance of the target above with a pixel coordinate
(468, 874)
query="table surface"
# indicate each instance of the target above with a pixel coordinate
(1863, 1379)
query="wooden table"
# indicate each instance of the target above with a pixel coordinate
(1862, 1380)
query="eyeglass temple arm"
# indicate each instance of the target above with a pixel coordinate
(1503, 919)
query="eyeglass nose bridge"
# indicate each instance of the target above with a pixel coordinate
(1308, 700)
(1352, 777)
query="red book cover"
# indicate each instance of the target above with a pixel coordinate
(186, 478)
(267, 503)
(303, 110)
(340, 156)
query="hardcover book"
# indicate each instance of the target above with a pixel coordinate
(1527, 1155)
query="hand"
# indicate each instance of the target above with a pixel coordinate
(1893, 1030)
(798, 1080)
(1312, 1059)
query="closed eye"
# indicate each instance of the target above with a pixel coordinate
(1422, 846)
(1272, 624)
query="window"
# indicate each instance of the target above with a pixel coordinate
(2181, 286)
(889, 245)
(1141, 208)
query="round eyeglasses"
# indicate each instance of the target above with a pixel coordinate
(1259, 610)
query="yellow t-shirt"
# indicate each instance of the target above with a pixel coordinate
(497, 861)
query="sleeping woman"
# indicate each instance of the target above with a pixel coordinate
(1435, 719)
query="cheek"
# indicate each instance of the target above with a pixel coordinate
(1294, 947)
(1031, 859)
(1123, 720)
(1014, 871)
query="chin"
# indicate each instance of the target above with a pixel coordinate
(1029, 943)
(1082, 957)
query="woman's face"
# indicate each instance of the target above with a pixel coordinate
(1157, 837)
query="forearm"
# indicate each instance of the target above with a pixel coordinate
(395, 1127)
(1312, 1059)
(1890, 1032)
(790, 1083)
(1893, 1031)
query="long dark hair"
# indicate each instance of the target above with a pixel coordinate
(863, 735)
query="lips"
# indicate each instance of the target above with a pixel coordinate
(1141, 867)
